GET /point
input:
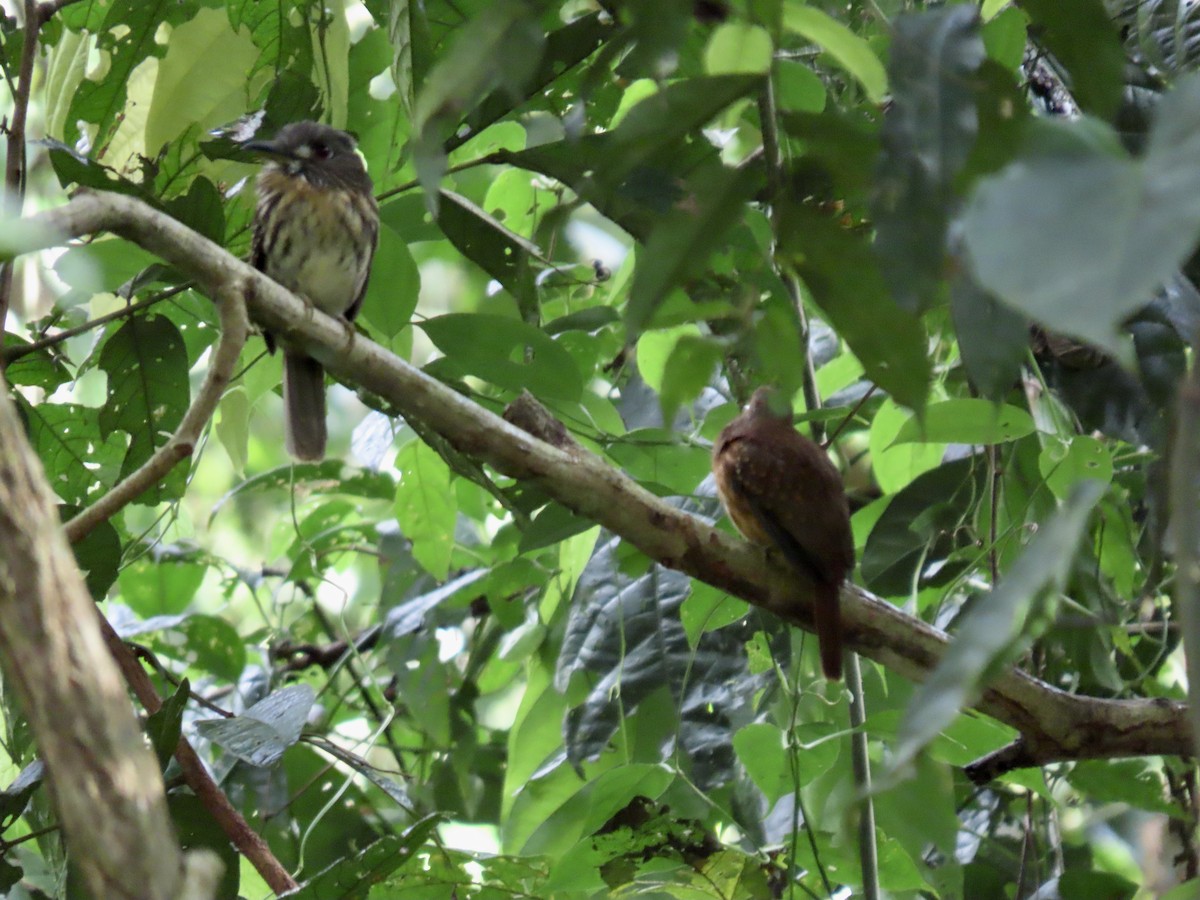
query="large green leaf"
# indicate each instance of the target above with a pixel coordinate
(425, 506)
(127, 36)
(851, 52)
(993, 339)
(630, 173)
(500, 48)
(841, 271)
(189, 89)
(148, 392)
(505, 256)
(1076, 234)
(928, 132)
(394, 287)
(967, 421)
(920, 525)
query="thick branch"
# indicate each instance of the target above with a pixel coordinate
(1055, 725)
(68, 687)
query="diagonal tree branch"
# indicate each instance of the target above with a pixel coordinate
(1054, 725)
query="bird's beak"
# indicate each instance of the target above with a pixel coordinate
(268, 148)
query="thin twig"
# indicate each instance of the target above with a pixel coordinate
(868, 851)
(14, 353)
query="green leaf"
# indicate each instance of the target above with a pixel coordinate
(967, 421)
(102, 265)
(148, 391)
(1066, 463)
(1131, 782)
(993, 339)
(202, 209)
(328, 477)
(630, 173)
(160, 587)
(1084, 39)
(507, 352)
(1004, 35)
(505, 256)
(1079, 885)
(98, 555)
(73, 168)
(763, 751)
(840, 270)
(681, 245)
(990, 632)
(690, 368)
(165, 727)
(921, 523)
(555, 523)
(564, 49)
(660, 461)
(41, 368)
(190, 89)
(79, 461)
(394, 287)
(928, 132)
(195, 828)
(127, 37)
(738, 48)
(799, 88)
(425, 506)
(214, 647)
(708, 609)
(1076, 234)
(850, 51)
(500, 47)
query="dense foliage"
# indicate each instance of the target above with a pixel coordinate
(445, 684)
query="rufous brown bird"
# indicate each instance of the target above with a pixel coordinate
(781, 490)
(316, 226)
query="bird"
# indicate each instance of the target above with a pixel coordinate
(781, 490)
(316, 227)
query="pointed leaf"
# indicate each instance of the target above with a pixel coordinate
(1078, 235)
(967, 421)
(851, 52)
(841, 272)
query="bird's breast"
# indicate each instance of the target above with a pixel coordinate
(319, 245)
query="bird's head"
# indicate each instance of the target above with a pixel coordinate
(320, 154)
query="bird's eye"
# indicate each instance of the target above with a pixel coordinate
(322, 151)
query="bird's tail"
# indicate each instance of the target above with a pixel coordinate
(827, 617)
(304, 406)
